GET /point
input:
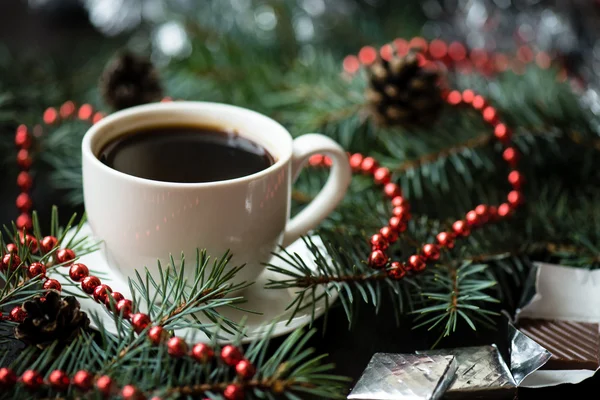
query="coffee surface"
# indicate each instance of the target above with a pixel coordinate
(185, 154)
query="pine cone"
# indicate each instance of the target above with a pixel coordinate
(403, 93)
(51, 318)
(130, 80)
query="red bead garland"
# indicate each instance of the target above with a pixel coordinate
(231, 355)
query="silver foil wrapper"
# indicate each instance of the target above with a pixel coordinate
(481, 373)
(526, 355)
(405, 377)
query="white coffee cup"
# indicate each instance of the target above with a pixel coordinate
(141, 220)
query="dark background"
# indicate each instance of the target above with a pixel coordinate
(52, 33)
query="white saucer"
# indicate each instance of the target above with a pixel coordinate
(269, 304)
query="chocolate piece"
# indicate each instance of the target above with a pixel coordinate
(574, 345)
(405, 376)
(481, 374)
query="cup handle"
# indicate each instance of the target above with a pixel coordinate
(332, 193)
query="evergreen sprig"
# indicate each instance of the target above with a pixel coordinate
(175, 303)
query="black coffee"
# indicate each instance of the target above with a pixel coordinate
(187, 154)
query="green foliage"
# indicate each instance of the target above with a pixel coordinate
(174, 303)
(445, 169)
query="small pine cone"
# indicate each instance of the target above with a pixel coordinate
(401, 92)
(51, 318)
(130, 80)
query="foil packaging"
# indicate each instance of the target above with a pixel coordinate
(405, 377)
(481, 374)
(478, 372)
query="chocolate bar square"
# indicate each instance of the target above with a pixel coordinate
(574, 345)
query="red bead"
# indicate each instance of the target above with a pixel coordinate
(24, 181)
(24, 202)
(24, 221)
(431, 252)
(245, 369)
(130, 392)
(397, 225)
(396, 271)
(400, 201)
(17, 314)
(445, 239)
(454, 98)
(316, 160)
(104, 385)
(234, 392)
(52, 284)
(382, 176)
(48, 243)
(65, 256)
(116, 298)
(23, 159)
(202, 352)
(379, 242)
(231, 355)
(392, 190)
(50, 116)
(416, 263)
(97, 117)
(327, 161)
(29, 241)
(8, 378)
(83, 380)
(461, 228)
(35, 269)
(504, 210)
(157, 334)
(22, 137)
(389, 234)
(516, 179)
(401, 212)
(140, 321)
(89, 283)
(511, 156)
(377, 259)
(482, 212)
(368, 165)
(468, 96)
(502, 133)
(356, 160)
(490, 115)
(125, 307)
(10, 261)
(32, 379)
(515, 198)
(472, 218)
(11, 248)
(101, 292)
(367, 55)
(177, 347)
(85, 112)
(67, 109)
(79, 271)
(478, 102)
(59, 380)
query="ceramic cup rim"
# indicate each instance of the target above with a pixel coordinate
(282, 153)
